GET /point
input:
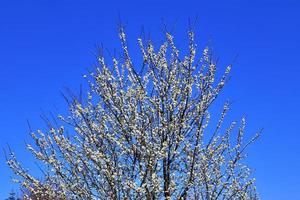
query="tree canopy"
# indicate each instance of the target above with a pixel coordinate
(144, 132)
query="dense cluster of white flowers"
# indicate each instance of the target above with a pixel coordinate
(143, 134)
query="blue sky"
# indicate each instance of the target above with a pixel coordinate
(46, 45)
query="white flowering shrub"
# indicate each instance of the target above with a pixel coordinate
(142, 133)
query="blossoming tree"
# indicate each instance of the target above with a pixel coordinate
(143, 132)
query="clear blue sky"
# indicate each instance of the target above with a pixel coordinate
(46, 45)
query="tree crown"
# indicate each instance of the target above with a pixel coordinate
(140, 133)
